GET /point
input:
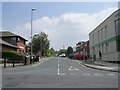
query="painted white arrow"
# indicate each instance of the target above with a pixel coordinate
(72, 68)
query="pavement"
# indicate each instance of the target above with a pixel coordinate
(21, 65)
(101, 65)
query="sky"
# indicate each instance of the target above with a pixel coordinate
(66, 23)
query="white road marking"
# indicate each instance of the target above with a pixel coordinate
(62, 74)
(98, 74)
(58, 71)
(73, 73)
(72, 68)
(58, 68)
(110, 74)
(86, 74)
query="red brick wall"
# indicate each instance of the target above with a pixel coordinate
(22, 45)
(7, 48)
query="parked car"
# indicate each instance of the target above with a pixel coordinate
(71, 55)
(78, 56)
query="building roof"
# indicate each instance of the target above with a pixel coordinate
(7, 44)
(9, 34)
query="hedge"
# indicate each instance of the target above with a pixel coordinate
(12, 55)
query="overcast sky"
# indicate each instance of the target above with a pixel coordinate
(66, 23)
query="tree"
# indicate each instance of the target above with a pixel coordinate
(69, 50)
(51, 52)
(62, 51)
(40, 43)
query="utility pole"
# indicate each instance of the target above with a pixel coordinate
(33, 9)
(41, 46)
(63, 47)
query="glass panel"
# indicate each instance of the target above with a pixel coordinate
(18, 39)
(118, 27)
(13, 40)
(118, 34)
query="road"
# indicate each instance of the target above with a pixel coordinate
(58, 72)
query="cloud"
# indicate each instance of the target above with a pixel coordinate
(66, 29)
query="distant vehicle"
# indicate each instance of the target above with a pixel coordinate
(62, 55)
(78, 56)
(71, 55)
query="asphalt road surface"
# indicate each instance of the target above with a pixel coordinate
(58, 72)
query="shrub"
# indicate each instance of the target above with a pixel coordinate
(11, 55)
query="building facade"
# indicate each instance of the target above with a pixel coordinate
(82, 47)
(11, 41)
(105, 39)
(4, 46)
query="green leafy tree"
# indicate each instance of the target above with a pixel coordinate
(51, 52)
(69, 50)
(61, 51)
(40, 43)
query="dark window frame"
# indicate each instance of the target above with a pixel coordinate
(117, 28)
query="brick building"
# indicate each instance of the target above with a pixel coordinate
(4, 46)
(82, 47)
(11, 41)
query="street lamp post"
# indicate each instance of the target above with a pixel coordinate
(33, 9)
(41, 47)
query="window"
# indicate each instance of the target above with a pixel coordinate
(102, 34)
(93, 38)
(107, 47)
(13, 40)
(0, 47)
(99, 47)
(118, 42)
(99, 36)
(93, 50)
(18, 39)
(106, 32)
(22, 51)
(117, 24)
(102, 48)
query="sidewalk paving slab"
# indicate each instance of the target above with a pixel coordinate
(10, 65)
(100, 65)
(113, 69)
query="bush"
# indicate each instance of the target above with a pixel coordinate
(11, 55)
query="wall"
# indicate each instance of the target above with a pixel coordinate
(7, 48)
(21, 46)
(103, 38)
